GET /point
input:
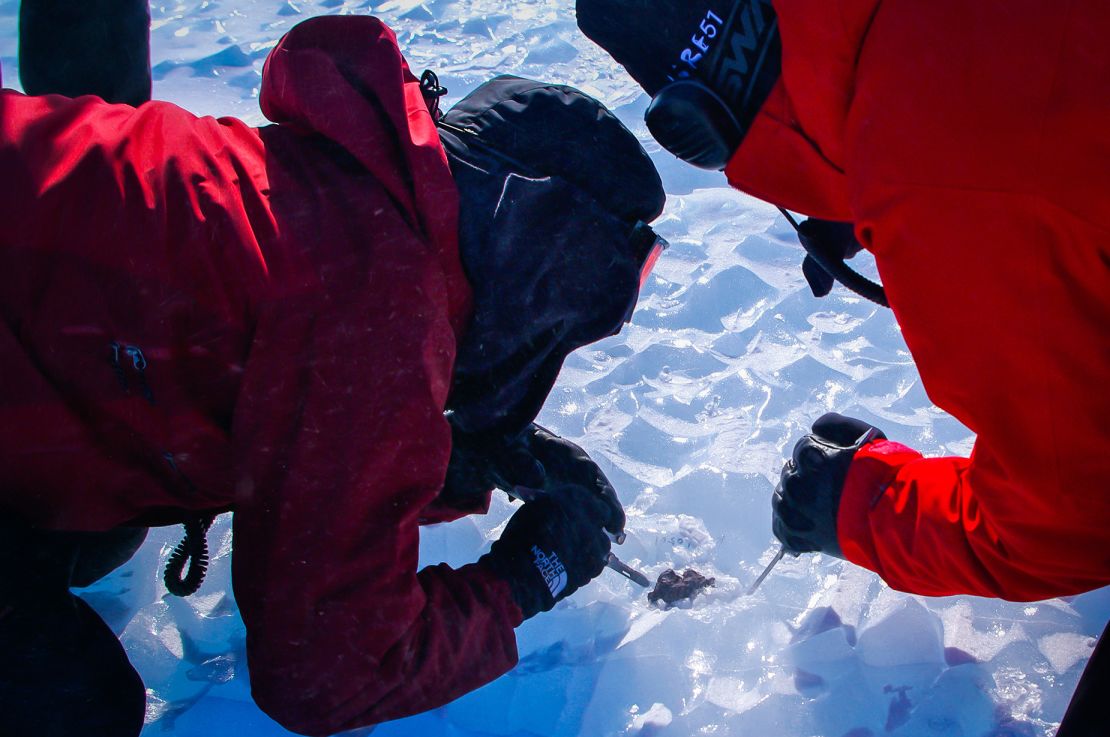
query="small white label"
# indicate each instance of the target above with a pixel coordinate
(708, 30)
(551, 568)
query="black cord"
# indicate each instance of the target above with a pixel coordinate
(432, 91)
(789, 218)
(837, 269)
(193, 549)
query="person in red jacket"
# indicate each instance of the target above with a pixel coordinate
(339, 326)
(973, 162)
(967, 145)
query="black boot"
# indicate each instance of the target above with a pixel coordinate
(86, 47)
(1088, 714)
(63, 671)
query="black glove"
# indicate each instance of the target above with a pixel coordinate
(565, 465)
(825, 242)
(482, 462)
(828, 244)
(807, 497)
(537, 460)
(695, 124)
(551, 547)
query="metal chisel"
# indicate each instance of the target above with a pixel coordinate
(774, 562)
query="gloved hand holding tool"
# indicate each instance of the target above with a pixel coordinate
(552, 546)
(538, 464)
(807, 498)
(565, 464)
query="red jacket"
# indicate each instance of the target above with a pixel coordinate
(970, 145)
(202, 315)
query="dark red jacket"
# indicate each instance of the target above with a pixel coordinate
(202, 315)
(970, 145)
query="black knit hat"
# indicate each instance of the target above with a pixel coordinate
(657, 41)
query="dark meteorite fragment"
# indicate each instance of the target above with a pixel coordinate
(671, 587)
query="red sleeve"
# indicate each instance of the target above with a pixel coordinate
(917, 523)
(341, 417)
(1004, 302)
(121, 224)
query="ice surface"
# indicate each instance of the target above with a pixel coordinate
(690, 411)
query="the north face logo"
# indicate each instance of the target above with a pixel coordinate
(551, 568)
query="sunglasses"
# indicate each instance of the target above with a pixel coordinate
(648, 246)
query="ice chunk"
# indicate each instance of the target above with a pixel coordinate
(455, 543)
(907, 634)
(958, 703)
(1065, 649)
(826, 655)
(657, 716)
(735, 694)
(546, 703)
(643, 624)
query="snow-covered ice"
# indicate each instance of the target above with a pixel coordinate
(690, 411)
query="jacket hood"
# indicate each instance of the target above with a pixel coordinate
(555, 130)
(556, 193)
(793, 155)
(344, 78)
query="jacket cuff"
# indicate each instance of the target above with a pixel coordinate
(500, 592)
(873, 469)
(441, 510)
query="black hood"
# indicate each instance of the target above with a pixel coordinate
(555, 196)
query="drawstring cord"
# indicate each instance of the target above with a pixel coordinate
(432, 91)
(193, 549)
